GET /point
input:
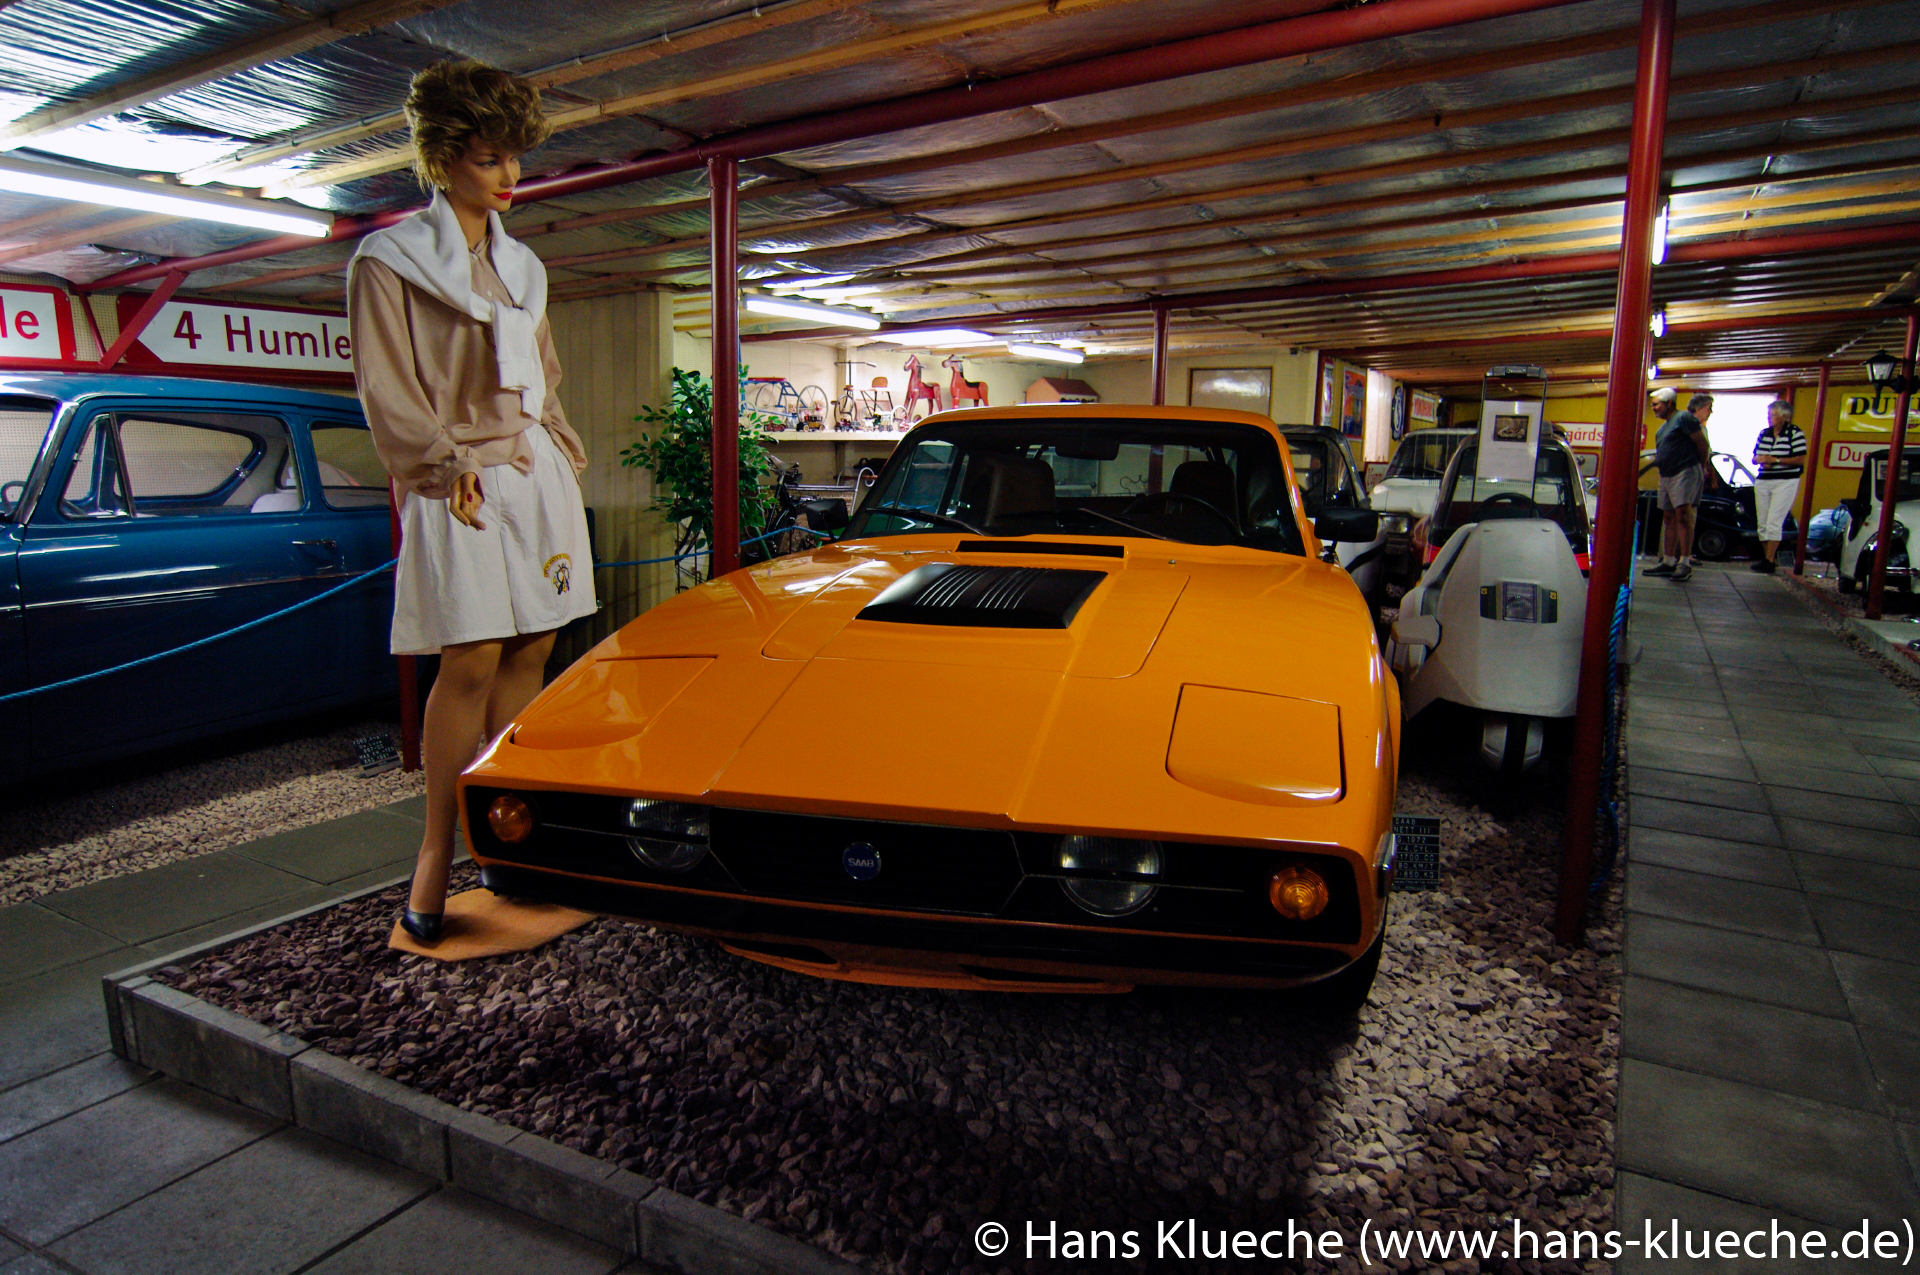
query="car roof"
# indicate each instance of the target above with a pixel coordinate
(1094, 412)
(72, 386)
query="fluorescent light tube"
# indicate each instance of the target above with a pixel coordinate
(21, 177)
(1657, 323)
(1046, 353)
(1660, 234)
(937, 336)
(806, 310)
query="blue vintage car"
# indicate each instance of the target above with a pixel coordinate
(140, 513)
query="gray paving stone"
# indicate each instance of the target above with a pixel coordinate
(1784, 1049)
(1688, 761)
(37, 1102)
(1882, 993)
(1853, 811)
(1643, 781)
(1769, 1149)
(307, 896)
(1895, 1056)
(32, 1264)
(179, 896)
(9, 1250)
(267, 1209)
(1893, 849)
(1644, 1204)
(1907, 728)
(1700, 732)
(1746, 965)
(1714, 900)
(340, 848)
(1849, 925)
(1858, 879)
(1705, 821)
(35, 939)
(414, 808)
(1898, 768)
(1872, 746)
(74, 1171)
(55, 1020)
(1765, 865)
(1829, 754)
(1817, 778)
(453, 1233)
(1703, 703)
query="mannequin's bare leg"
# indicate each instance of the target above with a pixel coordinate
(455, 724)
(523, 669)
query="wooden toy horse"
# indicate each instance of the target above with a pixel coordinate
(962, 387)
(917, 389)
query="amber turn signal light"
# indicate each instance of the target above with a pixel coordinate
(1298, 893)
(512, 819)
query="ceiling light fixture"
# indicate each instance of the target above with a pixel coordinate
(806, 310)
(937, 336)
(1045, 353)
(1660, 221)
(22, 178)
(1657, 323)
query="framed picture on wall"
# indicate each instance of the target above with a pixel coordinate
(1236, 389)
(1423, 408)
(1329, 378)
(1353, 402)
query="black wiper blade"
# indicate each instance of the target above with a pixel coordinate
(1120, 522)
(926, 516)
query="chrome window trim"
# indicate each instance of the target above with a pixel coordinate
(159, 594)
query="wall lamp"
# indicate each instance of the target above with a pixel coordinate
(1884, 374)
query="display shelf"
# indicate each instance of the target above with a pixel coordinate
(834, 436)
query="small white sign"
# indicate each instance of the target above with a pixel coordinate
(195, 333)
(30, 324)
(1509, 439)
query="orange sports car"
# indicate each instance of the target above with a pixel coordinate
(1075, 703)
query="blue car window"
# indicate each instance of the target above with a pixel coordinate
(351, 475)
(23, 428)
(196, 464)
(95, 487)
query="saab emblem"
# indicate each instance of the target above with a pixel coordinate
(861, 861)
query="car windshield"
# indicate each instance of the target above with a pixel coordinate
(1425, 453)
(1555, 492)
(1196, 482)
(23, 428)
(1876, 483)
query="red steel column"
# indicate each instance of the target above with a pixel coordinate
(1159, 356)
(1813, 461)
(1896, 453)
(1620, 450)
(723, 193)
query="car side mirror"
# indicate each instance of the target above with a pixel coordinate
(1417, 630)
(1351, 525)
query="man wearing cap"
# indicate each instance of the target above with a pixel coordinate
(1781, 453)
(1681, 453)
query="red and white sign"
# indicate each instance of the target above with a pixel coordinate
(35, 323)
(1845, 455)
(1586, 437)
(197, 334)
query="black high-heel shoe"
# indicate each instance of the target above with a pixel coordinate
(423, 926)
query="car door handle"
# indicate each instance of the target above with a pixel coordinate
(332, 545)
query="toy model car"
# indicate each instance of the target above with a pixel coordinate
(1329, 479)
(1863, 530)
(142, 513)
(1406, 494)
(1074, 704)
(1495, 622)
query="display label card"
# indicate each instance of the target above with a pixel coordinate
(1416, 863)
(377, 754)
(1509, 439)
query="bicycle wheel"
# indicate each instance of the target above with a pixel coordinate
(846, 409)
(759, 396)
(813, 407)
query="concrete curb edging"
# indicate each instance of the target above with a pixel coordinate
(282, 1076)
(1875, 639)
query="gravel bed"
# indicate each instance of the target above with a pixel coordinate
(884, 1124)
(128, 816)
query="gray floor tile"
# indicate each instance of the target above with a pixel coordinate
(9, 1250)
(26, 1107)
(1705, 821)
(1882, 993)
(339, 848)
(34, 939)
(56, 1020)
(1905, 749)
(1896, 1064)
(1643, 1203)
(452, 1233)
(1774, 1150)
(269, 1208)
(1688, 761)
(1815, 837)
(1896, 769)
(1766, 865)
(1715, 900)
(74, 1171)
(1703, 703)
(414, 808)
(1858, 879)
(1699, 732)
(32, 1264)
(1907, 728)
(1817, 778)
(1736, 964)
(1829, 754)
(307, 896)
(1852, 810)
(1645, 781)
(1849, 925)
(1798, 1053)
(179, 896)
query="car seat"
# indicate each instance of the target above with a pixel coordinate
(1208, 480)
(1002, 486)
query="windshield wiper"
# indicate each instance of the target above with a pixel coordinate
(1120, 522)
(924, 516)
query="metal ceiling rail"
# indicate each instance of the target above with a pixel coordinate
(1289, 37)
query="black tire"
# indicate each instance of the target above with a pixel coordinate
(1712, 543)
(1843, 582)
(1345, 994)
(1513, 758)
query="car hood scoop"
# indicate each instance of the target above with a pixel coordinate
(969, 595)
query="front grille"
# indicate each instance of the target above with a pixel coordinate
(921, 866)
(963, 594)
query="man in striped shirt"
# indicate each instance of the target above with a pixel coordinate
(1780, 454)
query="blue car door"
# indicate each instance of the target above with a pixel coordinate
(24, 425)
(160, 525)
(347, 514)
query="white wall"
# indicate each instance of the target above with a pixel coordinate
(1131, 380)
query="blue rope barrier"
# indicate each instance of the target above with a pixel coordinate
(1610, 747)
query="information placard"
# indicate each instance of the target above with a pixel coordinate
(35, 323)
(1416, 863)
(200, 334)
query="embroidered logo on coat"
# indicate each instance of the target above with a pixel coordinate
(559, 569)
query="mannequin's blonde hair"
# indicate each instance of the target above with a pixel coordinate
(452, 104)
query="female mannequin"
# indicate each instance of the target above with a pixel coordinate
(457, 373)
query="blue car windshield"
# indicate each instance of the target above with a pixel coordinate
(1195, 482)
(23, 429)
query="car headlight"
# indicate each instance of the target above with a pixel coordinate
(1110, 855)
(510, 818)
(1298, 893)
(669, 835)
(1899, 533)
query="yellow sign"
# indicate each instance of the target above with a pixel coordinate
(1858, 417)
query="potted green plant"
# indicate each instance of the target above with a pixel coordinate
(677, 450)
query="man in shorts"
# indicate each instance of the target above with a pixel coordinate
(1681, 454)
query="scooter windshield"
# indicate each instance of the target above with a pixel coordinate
(1555, 494)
